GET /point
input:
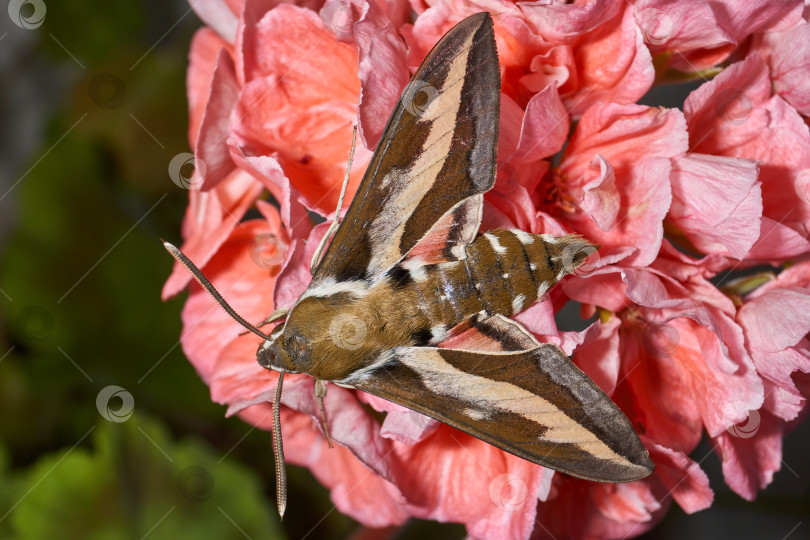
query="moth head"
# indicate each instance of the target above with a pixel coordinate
(288, 351)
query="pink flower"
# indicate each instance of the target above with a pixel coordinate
(273, 92)
(593, 53)
(699, 34)
(736, 115)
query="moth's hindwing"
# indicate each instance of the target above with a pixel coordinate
(438, 149)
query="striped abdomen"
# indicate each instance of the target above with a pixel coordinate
(505, 271)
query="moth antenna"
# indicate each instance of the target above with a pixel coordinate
(278, 451)
(320, 393)
(336, 220)
(276, 315)
(205, 284)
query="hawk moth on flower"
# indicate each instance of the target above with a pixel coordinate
(408, 267)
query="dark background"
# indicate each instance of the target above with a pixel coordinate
(92, 108)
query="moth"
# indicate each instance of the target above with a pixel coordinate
(407, 270)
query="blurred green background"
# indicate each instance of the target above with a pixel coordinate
(92, 104)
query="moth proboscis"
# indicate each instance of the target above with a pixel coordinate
(407, 263)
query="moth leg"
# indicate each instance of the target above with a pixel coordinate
(336, 220)
(273, 317)
(320, 393)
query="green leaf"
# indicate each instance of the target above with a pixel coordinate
(136, 482)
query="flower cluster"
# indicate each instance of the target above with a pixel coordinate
(677, 198)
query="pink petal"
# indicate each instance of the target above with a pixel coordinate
(210, 218)
(751, 453)
(638, 143)
(778, 242)
(599, 357)
(407, 426)
(624, 135)
(776, 323)
(722, 398)
(778, 319)
(269, 171)
(512, 195)
(683, 478)
(492, 492)
(383, 75)
(794, 276)
(301, 113)
(293, 279)
(645, 199)
(355, 491)
(235, 271)
(221, 15)
(202, 59)
(663, 390)
(790, 67)
(613, 65)
(600, 198)
(735, 115)
(544, 129)
(211, 146)
(689, 29)
(248, 38)
(741, 19)
(559, 22)
(591, 510)
(717, 203)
